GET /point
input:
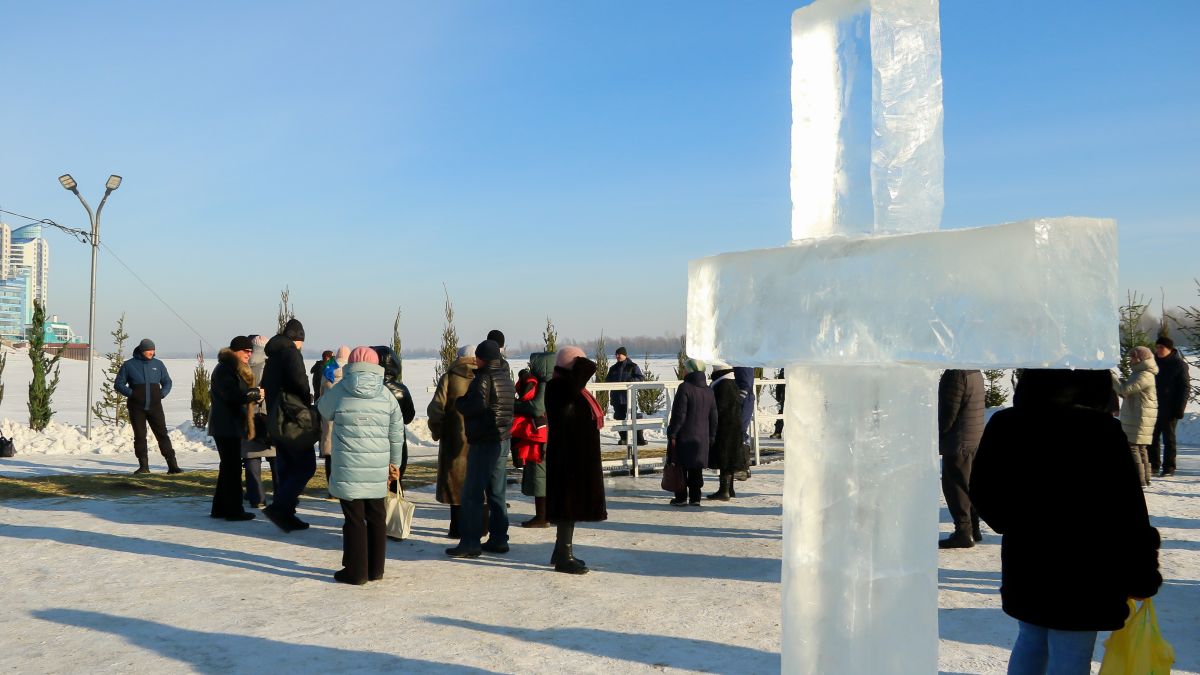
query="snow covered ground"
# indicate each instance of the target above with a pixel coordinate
(154, 585)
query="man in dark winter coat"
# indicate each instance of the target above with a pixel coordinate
(1174, 386)
(487, 410)
(296, 463)
(960, 426)
(624, 370)
(144, 382)
(1074, 550)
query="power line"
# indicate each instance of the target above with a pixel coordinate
(86, 237)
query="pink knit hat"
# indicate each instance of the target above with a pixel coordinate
(567, 355)
(364, 355)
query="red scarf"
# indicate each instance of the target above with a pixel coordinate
(597, 413)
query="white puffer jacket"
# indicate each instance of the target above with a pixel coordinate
(1139, 407)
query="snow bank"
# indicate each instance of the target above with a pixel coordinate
(69, 439)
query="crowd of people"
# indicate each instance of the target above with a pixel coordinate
(1059, 475)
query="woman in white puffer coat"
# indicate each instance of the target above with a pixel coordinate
(1139, 409)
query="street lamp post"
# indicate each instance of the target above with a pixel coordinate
(114, 182)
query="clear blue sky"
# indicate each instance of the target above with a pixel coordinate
(533, 154)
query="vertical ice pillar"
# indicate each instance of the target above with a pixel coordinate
(867, 152)
(860, 519)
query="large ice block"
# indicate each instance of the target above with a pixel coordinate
(866, 117)
(1037, 293)
(860, 504)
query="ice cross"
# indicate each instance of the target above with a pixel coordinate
(865, 307)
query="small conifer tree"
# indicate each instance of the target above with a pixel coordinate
(110, 409)
(994, 396)
(449, 350)
(45, 372)
(1132, 332)
(1189, 327)
(550, 336)
(201, 396)
(601, 358)
(650, 401)
(287, 311)
(396, 346)
(3, 362)
(680, 357)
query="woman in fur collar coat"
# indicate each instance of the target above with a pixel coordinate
(231, 421)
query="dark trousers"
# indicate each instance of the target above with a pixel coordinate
(694, 478)
(956, 476)
(227, 499)
(255, 494)
(296, 466)
(486, 464)
(139, 418)
(620, 410)
(364, 538)
(1164, 428)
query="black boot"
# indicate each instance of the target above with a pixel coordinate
(143, 465)
(172, 465)
(976, 533)
(564, 559)
(960, 539)
(641, 440)
(453, 531)
(732, 493)
(724, 493)
(680, 499)
(539, 514)
(624, 438)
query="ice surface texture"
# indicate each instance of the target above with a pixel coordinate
(894, 117)
(859, 581)
(1038, 293)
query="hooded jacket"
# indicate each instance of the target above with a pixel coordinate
(368, 432)
(1139, 407)
(726, 451)
(284, 371)
(143, 381)
(1061, 569)
(693, 426)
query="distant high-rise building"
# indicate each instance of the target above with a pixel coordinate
(29, 251)
(24, 277)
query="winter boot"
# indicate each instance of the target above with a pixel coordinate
(723, 494)
(452, 533)
(680, 499)
(960, 539)
(564, 559)
(173, 466)
(694, 496)
(732, 493)
(641, 440)
(976, 533)
(143, 464)
(624, 438)
(539, 511)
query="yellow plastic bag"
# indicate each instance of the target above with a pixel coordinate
(1139, 647)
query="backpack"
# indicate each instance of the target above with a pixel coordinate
(7, 449)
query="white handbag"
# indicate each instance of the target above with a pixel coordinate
(400, 513)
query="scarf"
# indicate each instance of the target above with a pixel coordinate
(597, 413)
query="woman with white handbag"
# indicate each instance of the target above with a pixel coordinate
(368, 444)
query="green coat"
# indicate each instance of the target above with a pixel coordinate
(368, 432)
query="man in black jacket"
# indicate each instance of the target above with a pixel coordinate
(624, 370)
(1174, 386)
(487, 410)
(295, 464)
(960, 426)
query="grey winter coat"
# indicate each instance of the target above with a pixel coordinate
(1139, 407)
(960, 412)
(368, 432)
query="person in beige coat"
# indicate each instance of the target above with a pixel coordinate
(1139, 411)
(446, 427)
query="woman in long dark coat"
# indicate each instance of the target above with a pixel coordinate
(574, 475)
(230, 422)
(726, 454)
(692, 430)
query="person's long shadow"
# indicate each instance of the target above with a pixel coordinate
(220, 653)
(689, 530)
(986, 583)
(1173, 522)
(162, 549)
(659, 651)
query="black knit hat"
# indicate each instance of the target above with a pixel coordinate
(497, 337)
(487, 350)
(146, 345)
(1165, 341)
(240, 343)
(294, 330)
(621, 351)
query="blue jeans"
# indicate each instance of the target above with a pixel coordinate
(486, 464)
(1045, 651)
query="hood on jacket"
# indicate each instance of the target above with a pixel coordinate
(542, 365)
(1149, 364)
(362, 380)
(279, 344)
(697, 378)
(720, 373)
(227, 356)
(464, 366)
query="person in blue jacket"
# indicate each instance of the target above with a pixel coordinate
(144, 382)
